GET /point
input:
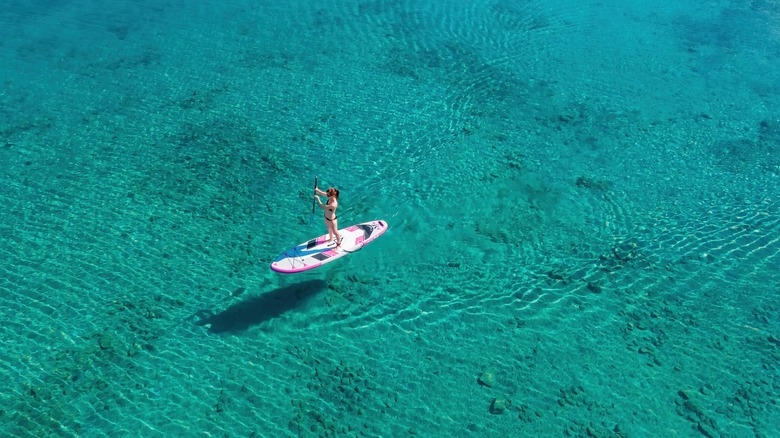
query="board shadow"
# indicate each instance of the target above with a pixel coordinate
(257, 310)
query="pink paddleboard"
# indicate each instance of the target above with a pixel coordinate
(315, 252)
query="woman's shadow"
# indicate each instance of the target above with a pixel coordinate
(259, 309)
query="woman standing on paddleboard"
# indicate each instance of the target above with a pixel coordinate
(331, 222)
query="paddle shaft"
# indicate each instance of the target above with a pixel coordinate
(314, 201)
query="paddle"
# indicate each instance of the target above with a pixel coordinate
(313, 201)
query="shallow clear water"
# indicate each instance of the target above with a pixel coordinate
(582, 199)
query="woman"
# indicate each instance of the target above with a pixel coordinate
(331, 222)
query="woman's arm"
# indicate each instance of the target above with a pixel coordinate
(320, 192)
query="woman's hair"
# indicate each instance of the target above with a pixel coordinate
(335, 191)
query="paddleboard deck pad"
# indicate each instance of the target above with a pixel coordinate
(316, 252)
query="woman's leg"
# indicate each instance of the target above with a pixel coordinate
(335, 225)
(328, 227)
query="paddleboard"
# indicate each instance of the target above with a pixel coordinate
(315, 252)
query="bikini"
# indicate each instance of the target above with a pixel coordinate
(326, 218)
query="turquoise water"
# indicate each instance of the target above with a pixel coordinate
(582, 197)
